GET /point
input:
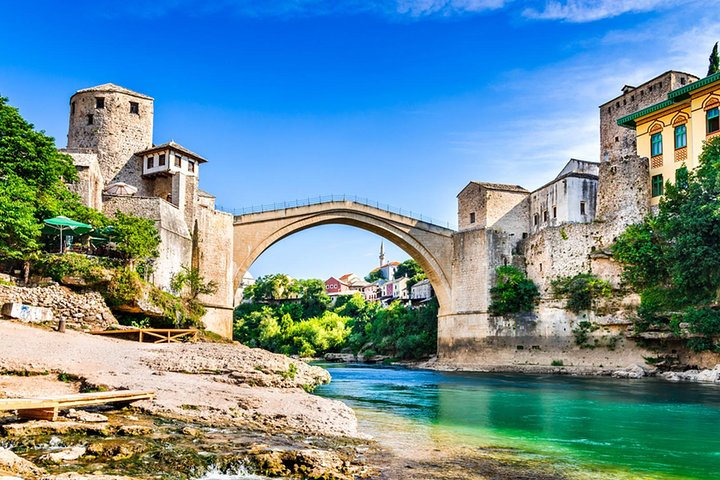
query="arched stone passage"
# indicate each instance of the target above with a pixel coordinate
(429, 245)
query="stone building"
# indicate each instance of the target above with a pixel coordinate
(110, 138)
(616, 141)
(671, 132)
(570, 198)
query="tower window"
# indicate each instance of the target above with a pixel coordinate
(680, 136)
(191, 168)
(161, 160)
(99, 102)
(472, 217)
(713, 120)
(545, 216)
(656, 144)
(72, 108)
(582, 208)
(90, 119)
(134, 108)
(535, 219)
(151, 161)
(178, 161)
(554, 212)
(657, 185)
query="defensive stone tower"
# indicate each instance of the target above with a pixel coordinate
(115, 123)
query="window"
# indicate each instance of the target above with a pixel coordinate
(151, 161)
(713, 120)
(680, 136)
(134, 108)
(545, 216)
(656, 144)
(178, 160)
(617, 139)
(535, 219)
(191, 168)
(582, 208)
(682, 80)
(90, 119)
(657, 185)
(72, 108)
(472, 217)
(161, 160)
(554, 212)
(99, 102)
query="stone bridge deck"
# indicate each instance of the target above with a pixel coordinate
(430, 244)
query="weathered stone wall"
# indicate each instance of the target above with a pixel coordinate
(619, 141)
(85, 311)
(115, 132)
(176, 243)
(502, 207)
(623, 194)
(215, 242)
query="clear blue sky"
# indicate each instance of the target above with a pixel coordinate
(401, 101)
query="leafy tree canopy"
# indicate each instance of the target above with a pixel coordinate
(374, 276)
(671, 259)
(136, 237)
(714, 61)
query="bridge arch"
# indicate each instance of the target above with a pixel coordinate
(428, 244)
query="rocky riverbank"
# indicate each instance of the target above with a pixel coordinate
(216, 406)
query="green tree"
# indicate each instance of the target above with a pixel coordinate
(271, 287)
(192, 283)
(313, 297)
(714, 61)
(671, 259)
(374, 276)
(136, 238)
(513, 292)
(19, 229)
(409, 268)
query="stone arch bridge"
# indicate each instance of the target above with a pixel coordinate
(428, 243)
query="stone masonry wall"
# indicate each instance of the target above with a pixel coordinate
(83, 311)
(619, 141)
(115, 132)
(176, 243)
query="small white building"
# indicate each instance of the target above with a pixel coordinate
(570, 198)
(422, 290)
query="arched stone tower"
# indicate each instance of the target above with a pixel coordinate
(115, 123)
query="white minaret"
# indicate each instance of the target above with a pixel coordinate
(382, 253)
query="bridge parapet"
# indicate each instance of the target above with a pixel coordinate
(243, 213)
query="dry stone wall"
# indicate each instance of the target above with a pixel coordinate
(83, 311)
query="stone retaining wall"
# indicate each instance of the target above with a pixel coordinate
(82, 311)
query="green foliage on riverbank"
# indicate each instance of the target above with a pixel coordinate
(671, 258)
(513, 292)
(580, 291)
(304, 323)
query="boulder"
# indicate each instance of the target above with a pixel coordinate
(89, 417)
(11, 464)
(633, 371)
(65, 455)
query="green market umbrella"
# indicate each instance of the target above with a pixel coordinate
(62, 224)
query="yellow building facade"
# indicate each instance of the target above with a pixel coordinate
(671, 133)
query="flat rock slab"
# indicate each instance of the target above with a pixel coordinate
(45, 427)
(27, 313)
(65, 455)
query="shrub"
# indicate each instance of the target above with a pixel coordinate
(582, 333)
(513, 292)
(57, 267)
(557, 363)
(580, 290)
(124, 287)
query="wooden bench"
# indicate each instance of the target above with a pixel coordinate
(154, 335)
(47, 408)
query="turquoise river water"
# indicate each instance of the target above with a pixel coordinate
(593, 427)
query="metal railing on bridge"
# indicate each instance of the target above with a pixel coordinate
(305, 202)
